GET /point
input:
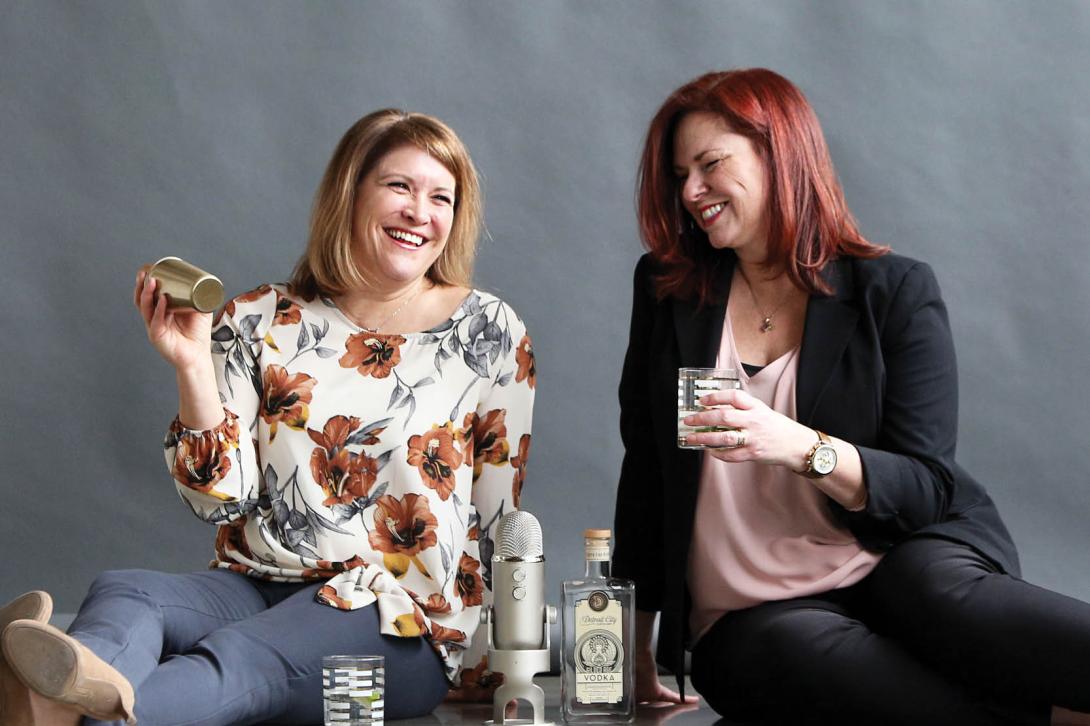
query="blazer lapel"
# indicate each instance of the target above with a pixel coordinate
(829, 325)
(698, 331)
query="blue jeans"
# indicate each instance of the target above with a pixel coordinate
(218, 647)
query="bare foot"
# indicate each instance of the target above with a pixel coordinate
(1063, 717)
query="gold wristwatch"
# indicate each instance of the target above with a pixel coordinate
(822, 458)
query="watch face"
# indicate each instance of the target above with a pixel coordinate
(824, 460)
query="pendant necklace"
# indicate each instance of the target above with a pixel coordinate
(766, 318)
(392, 315)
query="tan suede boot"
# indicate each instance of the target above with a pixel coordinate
(60, 668)
(14, 698)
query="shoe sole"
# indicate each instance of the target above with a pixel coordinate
(52, 664)
(36, 605)
(31, 606)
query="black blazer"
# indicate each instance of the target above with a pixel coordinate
(876, 368)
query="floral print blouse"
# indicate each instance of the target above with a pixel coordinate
(376, 463)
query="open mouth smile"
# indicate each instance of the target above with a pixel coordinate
(710, 213)
(405, 239)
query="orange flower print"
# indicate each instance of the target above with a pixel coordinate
(435, 455)
(329, 568)
(327, 595)
(287, 312)
(343, 475)
(519, 462)
(231, 538)
(441, 634)
(464, 436)
(202, 460)
(411, 625)
(436, 604)
(337, 429)
(285, 399)
(490, 441)
(372, 354)
(334, 435)
(524, 356)
(478, 683)
(251, 296)
(468, 584)
(403, 526)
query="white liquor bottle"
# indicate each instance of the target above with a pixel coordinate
(598, 681)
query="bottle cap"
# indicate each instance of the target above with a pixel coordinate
(597, 533)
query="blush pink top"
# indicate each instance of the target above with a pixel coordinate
(763, 532)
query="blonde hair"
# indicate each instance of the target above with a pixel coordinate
(327, 267)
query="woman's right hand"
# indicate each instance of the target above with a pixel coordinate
(181, 335)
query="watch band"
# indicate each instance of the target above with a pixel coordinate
(808, 471)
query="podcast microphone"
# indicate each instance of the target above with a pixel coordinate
(518, 620)
(518, 583)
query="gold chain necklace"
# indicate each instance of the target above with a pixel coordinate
(392, 315)
(766, 318)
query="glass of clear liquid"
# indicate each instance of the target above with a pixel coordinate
(692, 383)
(352, 689)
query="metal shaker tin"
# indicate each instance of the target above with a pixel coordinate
(186, 285)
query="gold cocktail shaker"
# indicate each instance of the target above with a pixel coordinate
(186, 285)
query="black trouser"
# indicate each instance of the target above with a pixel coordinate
(934, 635)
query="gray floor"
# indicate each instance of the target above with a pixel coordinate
(450, 713)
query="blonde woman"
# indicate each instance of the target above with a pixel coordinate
(353, 434)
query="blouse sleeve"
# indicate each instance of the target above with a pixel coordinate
(216, 471)
(501, 446)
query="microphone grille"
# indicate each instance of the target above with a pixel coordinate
(518, 536)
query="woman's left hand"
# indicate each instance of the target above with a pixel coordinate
(759, 433)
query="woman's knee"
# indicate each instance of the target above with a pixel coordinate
(930, 576)
(749, 656)
(794, 628)
(122, 581)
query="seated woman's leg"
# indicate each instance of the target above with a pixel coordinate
(268, 668)
(814, 661)
(957, 611)
(131, 619)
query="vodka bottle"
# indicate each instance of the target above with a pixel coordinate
(598, 682)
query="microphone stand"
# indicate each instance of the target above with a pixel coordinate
(518, 668)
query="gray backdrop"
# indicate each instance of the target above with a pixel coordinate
(132, 130)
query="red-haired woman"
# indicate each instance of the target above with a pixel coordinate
(824, 558)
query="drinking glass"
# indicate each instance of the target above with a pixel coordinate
(186, 285)
(352, 689)
(692, 383)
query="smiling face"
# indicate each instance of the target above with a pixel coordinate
(402, 216)
(724, 183)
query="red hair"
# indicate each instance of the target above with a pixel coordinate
(810, 224)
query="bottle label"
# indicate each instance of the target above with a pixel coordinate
(599, 652)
